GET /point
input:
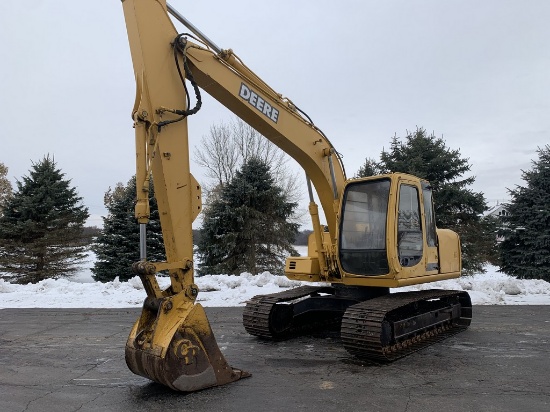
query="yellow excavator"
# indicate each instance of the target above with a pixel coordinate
(380, 231)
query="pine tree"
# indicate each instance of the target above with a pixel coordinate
(246, 228)
(525, 250)
(41, 229)
(370, 168)
(117, 248)
(5, 187)
(457, 207)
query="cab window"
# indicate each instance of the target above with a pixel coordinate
(409, 229)
(431, 234)
(362, 248)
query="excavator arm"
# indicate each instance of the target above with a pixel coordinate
(172, 342)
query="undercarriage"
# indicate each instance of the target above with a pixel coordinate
(373, 324)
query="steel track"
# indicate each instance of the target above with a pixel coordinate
(381, 329)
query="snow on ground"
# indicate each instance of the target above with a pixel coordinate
(491, 288)
(216, 290)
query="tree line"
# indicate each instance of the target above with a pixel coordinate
(250, 217)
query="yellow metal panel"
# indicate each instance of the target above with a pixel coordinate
(303, 268)
(449, 251)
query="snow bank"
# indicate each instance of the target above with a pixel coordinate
(216, 290)
(492, 288)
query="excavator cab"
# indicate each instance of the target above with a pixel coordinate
(386, 237)
(387, 230)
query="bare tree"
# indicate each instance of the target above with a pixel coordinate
(218, 154)
(230, 145)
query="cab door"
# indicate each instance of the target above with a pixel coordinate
(410, 237)
(416, 239)
(432, 258)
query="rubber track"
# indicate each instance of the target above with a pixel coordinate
(362, 324)
(256, 314)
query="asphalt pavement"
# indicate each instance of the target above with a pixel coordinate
(73, 360)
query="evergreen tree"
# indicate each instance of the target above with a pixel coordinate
(456, 206)
(41, 229)
(5, 187)
(525, 250)
(370, 168)
(246, 228)
(117, 248)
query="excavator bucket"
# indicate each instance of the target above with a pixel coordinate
(174, 346)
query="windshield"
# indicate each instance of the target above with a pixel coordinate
(363, 228)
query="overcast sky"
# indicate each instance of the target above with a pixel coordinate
(476, 73)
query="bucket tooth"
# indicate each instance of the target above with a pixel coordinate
(189, 361)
